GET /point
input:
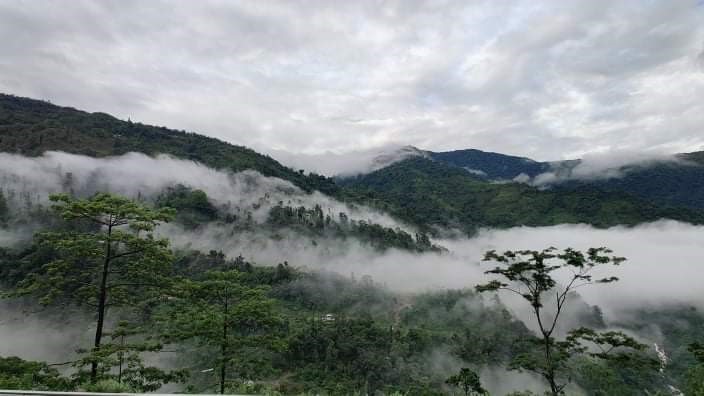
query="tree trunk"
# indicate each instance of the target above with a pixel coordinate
(101, 306)
(550, 370)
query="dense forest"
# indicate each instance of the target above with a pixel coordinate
(233, 327)
(425, 192)
(674, 181)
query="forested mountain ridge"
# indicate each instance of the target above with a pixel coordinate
(491, 165)
(453, 189)
(431, 193)
(675, 181)
(31, 127)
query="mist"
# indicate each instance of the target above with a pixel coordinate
(347, 163)
(42, 335)
(599, 166)
(663, 257)
(139, 176)
(663, 266)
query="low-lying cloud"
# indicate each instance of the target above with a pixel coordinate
(137, 175)
(348, 163)
(663, 267)
(598, 167)
(664, 259)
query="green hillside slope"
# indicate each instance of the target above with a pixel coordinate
(431, 193)
(31, 127)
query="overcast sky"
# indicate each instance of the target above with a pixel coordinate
(548, 80)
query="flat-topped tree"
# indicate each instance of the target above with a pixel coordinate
(108, 258)
(531, 275)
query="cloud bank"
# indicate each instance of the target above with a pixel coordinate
(348, 163)
(599, 166)
(549, 80)
(664, 257)
(137, 175)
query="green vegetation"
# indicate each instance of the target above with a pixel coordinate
(429, 193)
(220, 312)
(694, 383)
(493, 166)
(235, 327)
(530, 275)
(422, 191)
(232, 326)
(468, 381)
(16, 373)
(109, 260)
(670, 184)
(31, 127)
(315, 222)
(192, 206)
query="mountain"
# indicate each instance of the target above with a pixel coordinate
(432, 193)
(454, 189)
(31, 127)
(676, 181)
(493, 166)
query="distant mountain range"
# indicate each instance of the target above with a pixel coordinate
(670, 181)
(464, 189)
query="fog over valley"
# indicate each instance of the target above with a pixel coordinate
(362, 198)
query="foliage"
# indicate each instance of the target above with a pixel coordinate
(694, 382)
(377, 340)
(221, 311)
(491, 165)
(674, 183)
(111, 260)
(468, 381)
(32, 127)
(108, 386)
(192, 206)
(421, 191)
(16, 373)
(428, 193)
(340, 226)
(530, 275)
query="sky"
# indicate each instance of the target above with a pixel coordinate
(548, 80)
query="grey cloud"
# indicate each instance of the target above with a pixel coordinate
(548, 80)
(608, 165)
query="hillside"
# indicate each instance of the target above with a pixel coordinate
(31, 127)
(493, 166)
(453, 189)
(432, 193)
(678, 184)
